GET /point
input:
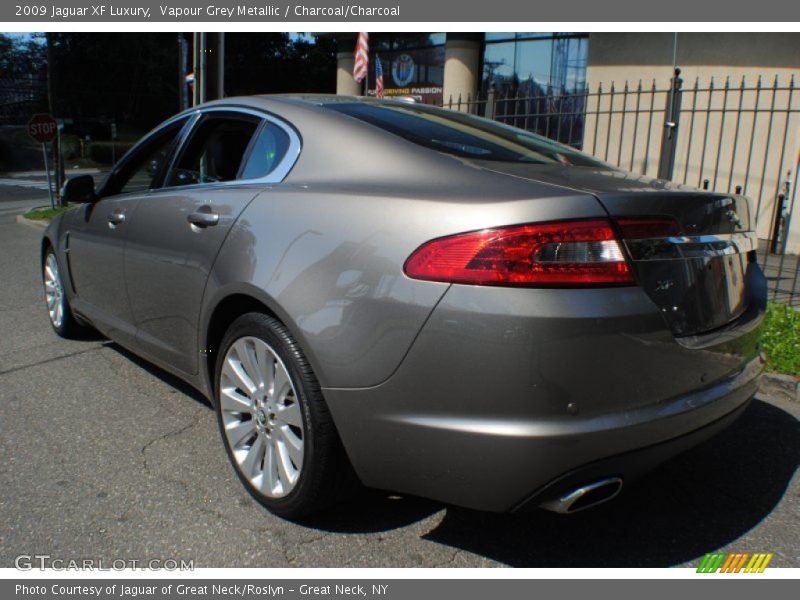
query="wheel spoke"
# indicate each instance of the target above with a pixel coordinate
(240, 431)
(290, 414)
(247, 356)
(232, 369)
(270, 480)
(251, 465)
(285, 467)
(293, 445)
(282, 384)
(266, 365)
(234, 402)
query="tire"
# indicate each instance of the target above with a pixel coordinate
(275, 424)
(58, 309)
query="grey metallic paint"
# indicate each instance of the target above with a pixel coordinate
(473, 395)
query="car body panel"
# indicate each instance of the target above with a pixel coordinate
(94, 255)
(506, 389)
(168, 261)
(342, 288)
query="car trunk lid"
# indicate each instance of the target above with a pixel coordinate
(696, 271)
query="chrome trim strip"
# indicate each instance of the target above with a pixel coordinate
(687, 247)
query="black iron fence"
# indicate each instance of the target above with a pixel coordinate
(726, 135)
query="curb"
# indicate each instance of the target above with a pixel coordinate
(786, 387)
(39, 224)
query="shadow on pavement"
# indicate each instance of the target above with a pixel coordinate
(697, 502)
(163, 375)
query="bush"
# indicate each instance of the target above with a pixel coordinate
(780, 339)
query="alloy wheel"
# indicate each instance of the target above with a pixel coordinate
(54, 291)
(261, 416)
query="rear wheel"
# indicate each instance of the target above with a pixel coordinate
(276, 427)
(58, 309)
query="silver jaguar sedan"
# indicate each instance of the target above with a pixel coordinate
(415, 299)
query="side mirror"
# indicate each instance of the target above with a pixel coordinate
(78, 190)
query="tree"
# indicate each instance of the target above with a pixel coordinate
(269, 63)
(123, 77)
(21, 56)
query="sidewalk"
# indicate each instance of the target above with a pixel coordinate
(43, 174)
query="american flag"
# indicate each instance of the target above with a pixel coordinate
(378, 77)
(362, 57)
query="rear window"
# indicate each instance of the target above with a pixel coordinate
(464, 135)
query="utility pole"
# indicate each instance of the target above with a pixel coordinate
(220, 47)
(183, 68)
(209, 67)
(56, 146)
(200, 67)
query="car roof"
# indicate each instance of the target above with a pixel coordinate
(272, 101)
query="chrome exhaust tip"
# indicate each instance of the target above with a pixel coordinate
(586, 496)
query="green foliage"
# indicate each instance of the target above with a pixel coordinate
(21, 54)
(45, 214)
(780, 339)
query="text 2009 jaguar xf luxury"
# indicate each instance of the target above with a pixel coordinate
(419, 299)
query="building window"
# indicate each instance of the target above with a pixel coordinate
(413, 65)
(539, 81)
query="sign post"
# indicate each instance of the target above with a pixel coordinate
(43, 128)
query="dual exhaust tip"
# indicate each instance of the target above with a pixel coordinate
(585, 496)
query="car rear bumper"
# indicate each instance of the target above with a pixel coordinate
(509, 395)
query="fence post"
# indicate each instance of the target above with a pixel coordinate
(672, 116)
(490, 100)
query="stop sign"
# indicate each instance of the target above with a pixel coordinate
(42, 127)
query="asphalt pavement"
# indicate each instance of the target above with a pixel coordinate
(103, 456)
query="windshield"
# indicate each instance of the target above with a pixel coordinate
(464, 135)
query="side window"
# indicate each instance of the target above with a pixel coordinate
(215, 150)
(138, 174)
(267, 153)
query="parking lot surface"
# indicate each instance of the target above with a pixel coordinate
(103, 456)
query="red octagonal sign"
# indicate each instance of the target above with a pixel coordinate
(42, 127)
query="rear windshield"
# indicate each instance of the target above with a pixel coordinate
(464, 135)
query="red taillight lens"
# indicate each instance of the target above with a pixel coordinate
(548, 254)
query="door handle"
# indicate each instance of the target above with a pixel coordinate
(203, 219)
(116, 217)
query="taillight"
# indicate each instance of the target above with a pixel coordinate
(570, 253)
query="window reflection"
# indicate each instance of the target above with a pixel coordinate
(539, 80)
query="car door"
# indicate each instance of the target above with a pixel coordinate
(98, 233)
(178, 230)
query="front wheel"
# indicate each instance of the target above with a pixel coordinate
(58, 309)
(276, 427)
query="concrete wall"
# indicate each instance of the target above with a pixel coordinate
(345, 84)
(462, 61)
(728, 147)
